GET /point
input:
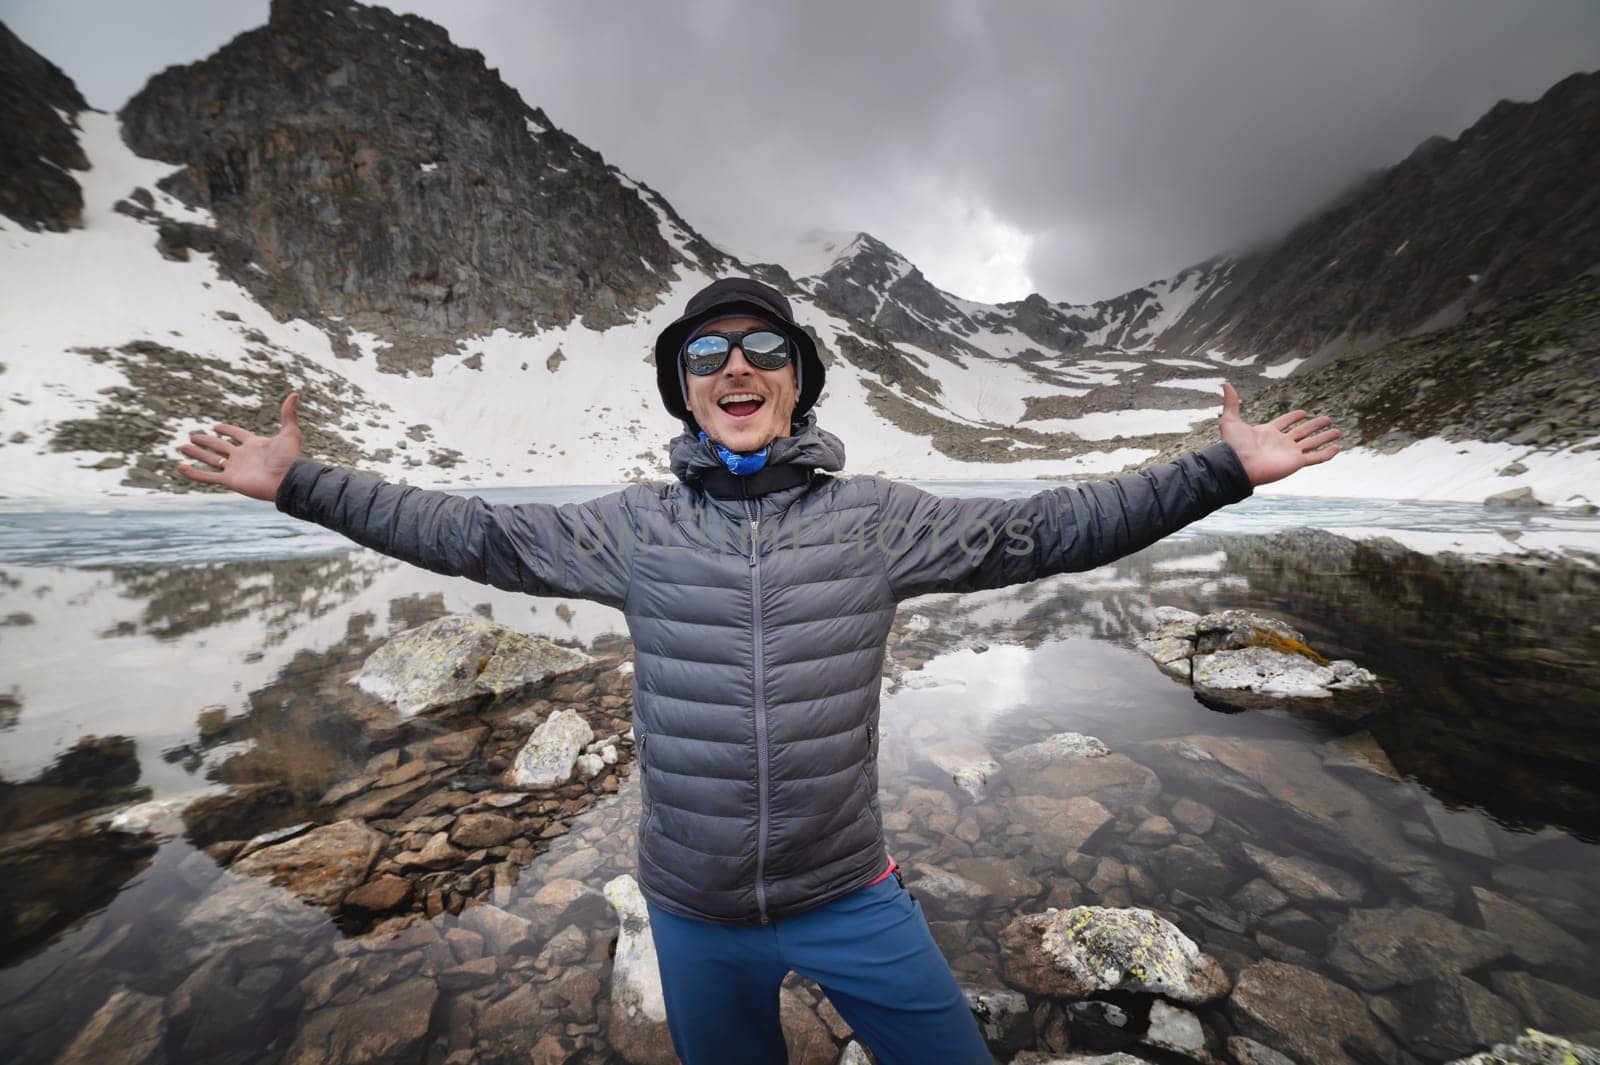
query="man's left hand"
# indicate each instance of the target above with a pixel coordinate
(1272, 451)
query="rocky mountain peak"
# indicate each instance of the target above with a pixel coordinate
(1508, 208)
(38, 142)
(362, 168)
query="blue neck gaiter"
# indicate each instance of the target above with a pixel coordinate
(737, 462)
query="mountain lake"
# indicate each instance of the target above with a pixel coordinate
(1420, 863)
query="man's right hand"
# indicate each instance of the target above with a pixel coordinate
(239, 459)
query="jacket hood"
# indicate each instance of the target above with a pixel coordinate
(807, 447)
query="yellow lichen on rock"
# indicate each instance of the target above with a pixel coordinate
(1278, 642)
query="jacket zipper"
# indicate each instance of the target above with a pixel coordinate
(751, 507)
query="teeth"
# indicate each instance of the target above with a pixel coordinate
(738, 397)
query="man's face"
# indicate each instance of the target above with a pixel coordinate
(709, 396)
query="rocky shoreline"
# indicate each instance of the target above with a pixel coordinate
(1098, 901)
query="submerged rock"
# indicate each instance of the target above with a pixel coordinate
(1305, 1015)
(1398, 945)
(968, 762)
(1088, 949)
(458, 657)
(389, 1025)
(322, 866)
(129, 1027)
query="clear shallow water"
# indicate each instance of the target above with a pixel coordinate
(1487, 718)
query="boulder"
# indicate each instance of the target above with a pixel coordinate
(459, 657)
(502, 932)
(322, 866)
(1054, 749)
(566, 902)
(1535, 1048)
(380, 895)
(388, 1025)
(128, 1027)
(481, 830)
(1305, 880)
(1078, 952)
(1451, 1015)
(1176, 1030)
(1264, 670)
(1306, 1015)
(968, 762)
(1534, 940)
(1400, 945)
(1551, 1005)
(947, 896)
(1240, 651)
(1064, 767)
(550, 754)
(1060, 826)
(1285, 775)
(1514, 497)
(638, 1025)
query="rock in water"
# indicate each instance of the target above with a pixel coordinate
(1262, 669)
(1239, 651)
(1058, 748)
(321, 866)
(128, 1027)
(638, 1010)
(1535, 1048)
(1088, 949)
(1514, 497)
(550, 754)
(457, 657)
(968, 762)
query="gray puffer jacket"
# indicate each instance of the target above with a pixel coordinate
(759, 608)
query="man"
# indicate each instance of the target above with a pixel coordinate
(759, 591)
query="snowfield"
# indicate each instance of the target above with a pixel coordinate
(573, 405)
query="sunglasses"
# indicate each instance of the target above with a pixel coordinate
(763, 349)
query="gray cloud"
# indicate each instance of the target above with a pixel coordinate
(1076, 149)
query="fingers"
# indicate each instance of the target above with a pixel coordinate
(194, 473)
(289, 415)
(1320, 439)
(210, 458)
(241, 435)
(1300, 432)
(1314, 457)
(1230, 401)
(1283, 421)
(221, 447)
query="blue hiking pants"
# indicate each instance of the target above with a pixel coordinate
(870, 951)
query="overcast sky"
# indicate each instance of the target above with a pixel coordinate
(1074, 149)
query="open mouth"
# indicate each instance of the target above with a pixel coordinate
(740, 405)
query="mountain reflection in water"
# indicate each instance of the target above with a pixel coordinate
(1471, 772)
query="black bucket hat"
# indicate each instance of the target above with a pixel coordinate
(725, 298)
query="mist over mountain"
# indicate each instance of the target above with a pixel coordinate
(345, 202)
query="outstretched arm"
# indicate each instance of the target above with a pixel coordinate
(578, 549)
(942, 544)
